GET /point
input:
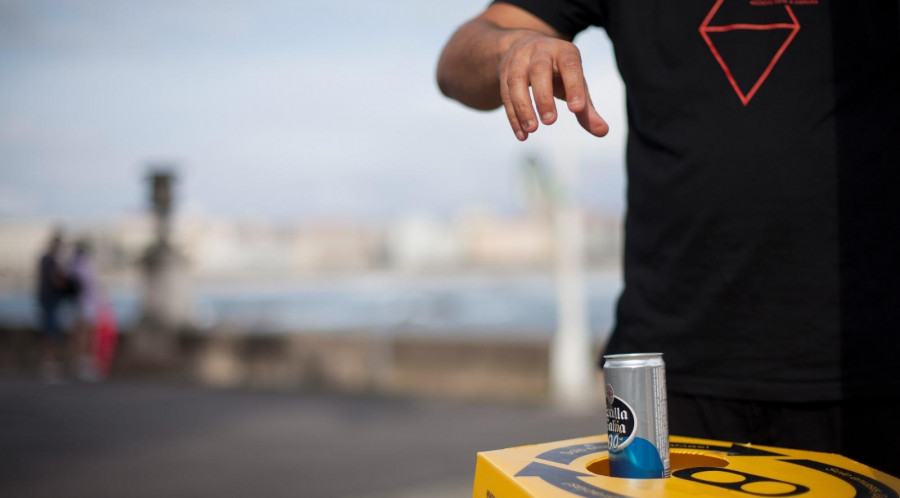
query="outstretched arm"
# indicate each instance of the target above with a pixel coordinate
(493, 59)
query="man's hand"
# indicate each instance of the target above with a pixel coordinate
(495, 58)
(552, 68)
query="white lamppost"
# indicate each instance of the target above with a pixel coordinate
(572, 368)
(572, 356)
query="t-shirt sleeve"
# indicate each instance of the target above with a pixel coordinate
(569, 17)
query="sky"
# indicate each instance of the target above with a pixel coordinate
(280, 109)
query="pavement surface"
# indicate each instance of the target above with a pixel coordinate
(141, 439)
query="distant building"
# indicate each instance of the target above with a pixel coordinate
(21, 244)
(225, 248)
(336, 246)
(497, 242)
(421, 243)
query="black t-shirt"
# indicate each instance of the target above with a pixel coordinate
(762, 237)
(48, 290)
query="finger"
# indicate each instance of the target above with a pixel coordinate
(572, 75)
(508, 107)
(541, 75)
(518, 81)
(590, 119)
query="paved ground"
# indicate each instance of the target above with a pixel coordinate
(137, 439)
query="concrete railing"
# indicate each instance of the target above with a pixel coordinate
(349, 361)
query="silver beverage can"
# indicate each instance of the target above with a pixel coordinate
(636, 416)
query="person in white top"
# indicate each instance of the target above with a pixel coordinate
(82, 273)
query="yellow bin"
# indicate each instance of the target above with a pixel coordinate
(700, 467)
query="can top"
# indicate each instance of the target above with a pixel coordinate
(633, 359)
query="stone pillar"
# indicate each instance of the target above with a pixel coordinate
(165, 302)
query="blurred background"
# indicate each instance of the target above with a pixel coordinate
(280, 205)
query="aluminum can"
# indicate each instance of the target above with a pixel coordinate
(636, 415)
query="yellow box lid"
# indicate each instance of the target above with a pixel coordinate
(700, 467)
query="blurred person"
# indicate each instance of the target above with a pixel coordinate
(761, 235)
(86, 303)
(52, 286)
(106, 338)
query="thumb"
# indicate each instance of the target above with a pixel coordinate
(590, 119)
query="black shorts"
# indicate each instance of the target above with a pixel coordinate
(865, 430)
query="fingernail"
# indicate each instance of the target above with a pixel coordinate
(547, 116)
(575, 102)
(528, 124)
(520, 135)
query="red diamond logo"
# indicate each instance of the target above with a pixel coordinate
(747, 72)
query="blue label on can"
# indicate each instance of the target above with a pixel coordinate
(639, 460)
(629, 456)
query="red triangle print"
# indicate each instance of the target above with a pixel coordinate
(790, 26)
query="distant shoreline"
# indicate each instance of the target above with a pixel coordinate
(386, 303)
